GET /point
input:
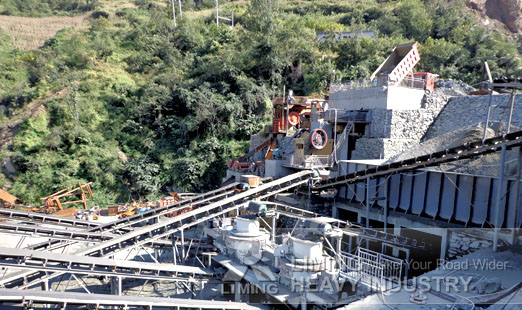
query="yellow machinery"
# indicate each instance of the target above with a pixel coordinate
(9, 201)
(53, 203)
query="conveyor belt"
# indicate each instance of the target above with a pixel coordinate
(123, 225)
(95, 300)
(56, 262)
(350, 228)
(154, 213)
(45, 218)
(55, 233)
(464, 151)
(186, 220)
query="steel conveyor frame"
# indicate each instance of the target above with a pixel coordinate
(463, 151)
(30, 298)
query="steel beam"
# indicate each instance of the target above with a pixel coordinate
(186, 220)
(350, 229)
(96, 300)
(126, 223)
(45, 218)
(467, 150)
(87, 265)
(57, 233)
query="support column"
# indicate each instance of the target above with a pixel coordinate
(237, 292)
(515, 211)
(45, 285)
(116, 285)
(335, 211)
(396, 232)
(385, 221)
(274, 220)
(182, 246)
(368, 209)
(500, 192)
(157, 254)
(445, 243)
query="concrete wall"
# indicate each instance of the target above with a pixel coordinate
(468, 111)
(402, 98)
(397, 98)
(275, 169)
(356, 99)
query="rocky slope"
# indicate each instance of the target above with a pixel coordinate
(495, 13)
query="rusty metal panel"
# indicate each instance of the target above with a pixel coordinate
(395, 190)
(449, 194)
(481, 200)
(493, 208)
(419, 193)
(406, 189)
(464, 198)
(433, 194)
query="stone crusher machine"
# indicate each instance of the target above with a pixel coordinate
(294, 112)
(293, 268)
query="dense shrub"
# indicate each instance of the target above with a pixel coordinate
(141, 108)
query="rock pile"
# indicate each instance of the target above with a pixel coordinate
(451, 87)
(462, 244)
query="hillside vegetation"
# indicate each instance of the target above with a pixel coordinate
(140, 107)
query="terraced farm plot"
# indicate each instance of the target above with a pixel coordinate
(28, 33)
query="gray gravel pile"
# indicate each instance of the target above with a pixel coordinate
(435, 101)
(483, 165)
(451, 87)
(445, 141)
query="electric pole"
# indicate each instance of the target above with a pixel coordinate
(174, 11)
(217, 12)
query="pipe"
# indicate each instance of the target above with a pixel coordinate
(335, 137)
(367, 208)
(511, 104)
(487, 117)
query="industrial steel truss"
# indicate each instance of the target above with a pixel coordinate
(169, 226)
(31, 298)
(464, 151)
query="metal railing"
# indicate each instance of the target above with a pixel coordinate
(376, 270)
(376, 83)
(310, 161)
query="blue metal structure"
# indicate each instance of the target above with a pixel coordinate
(453, 197)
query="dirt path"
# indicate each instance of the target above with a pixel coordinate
(32, 110)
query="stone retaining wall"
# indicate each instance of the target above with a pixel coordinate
(391, 132)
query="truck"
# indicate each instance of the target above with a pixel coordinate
(397, 70)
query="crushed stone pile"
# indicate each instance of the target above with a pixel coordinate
(486, 165)
(451, 87)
